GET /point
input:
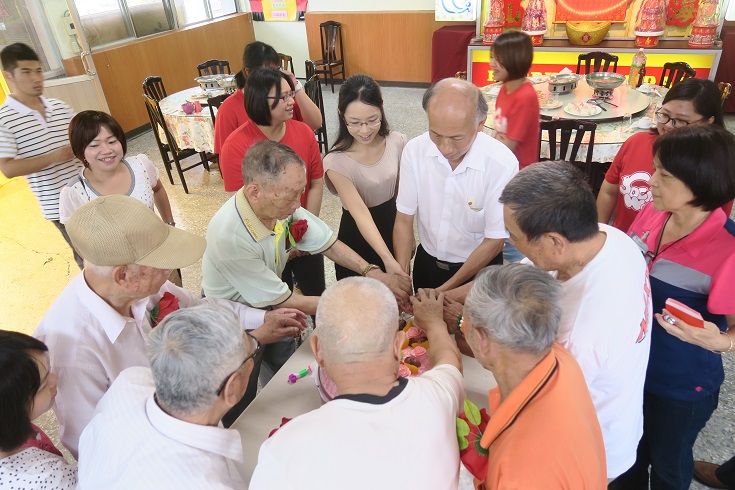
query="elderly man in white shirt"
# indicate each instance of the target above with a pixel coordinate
(452, 177)
(159, 427)
(379, 422)
(98, 325)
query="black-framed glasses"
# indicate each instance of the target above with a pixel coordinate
(664, 118)
(256, 350)
(285, 96)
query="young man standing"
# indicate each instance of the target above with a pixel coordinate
(34, 139)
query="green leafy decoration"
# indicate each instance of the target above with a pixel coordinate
(472, 412)
(154, 313)
(463, 430)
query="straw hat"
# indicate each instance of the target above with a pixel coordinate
(120, 230)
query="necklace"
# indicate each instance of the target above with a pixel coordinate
(652, 256)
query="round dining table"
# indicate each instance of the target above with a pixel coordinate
(614, 124)
(193, 130)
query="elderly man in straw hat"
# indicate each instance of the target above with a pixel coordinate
(99, 324)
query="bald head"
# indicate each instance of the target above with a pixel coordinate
(455, 95)
(357, 319)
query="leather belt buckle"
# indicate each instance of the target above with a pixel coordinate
(442, 265)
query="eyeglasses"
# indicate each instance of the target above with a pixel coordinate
(256, 350)
(285, 96)
(664, 118)
(367, 124)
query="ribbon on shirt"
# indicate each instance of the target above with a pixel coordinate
(279, 230)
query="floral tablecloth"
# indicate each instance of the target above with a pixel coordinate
(190, 130)
(609, 136)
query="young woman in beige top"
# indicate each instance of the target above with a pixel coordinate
(362, 169)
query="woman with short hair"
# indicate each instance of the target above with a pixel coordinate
(231, 114)
(28, 458)
(98, 140)
(625, 189)
(689, 244)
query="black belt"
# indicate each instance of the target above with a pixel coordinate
(447, 266)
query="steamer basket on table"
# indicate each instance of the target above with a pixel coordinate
(228, 83)
(563, 83)
(208, 83)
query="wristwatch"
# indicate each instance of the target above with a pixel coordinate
(297, 86)
(368, 268)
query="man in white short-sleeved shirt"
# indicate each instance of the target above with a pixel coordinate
(369, 435)
(451, 178)
(34, 140)
(159, 427)
(250, 238)
(98, 325)
(551, 216)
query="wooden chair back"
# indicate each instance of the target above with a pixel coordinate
(313, 89)
(153, 87)
(596, 61)
(331, 39)
(214, 103)
(214, 67)
(561, 132)
(286, 62)
(674, 73)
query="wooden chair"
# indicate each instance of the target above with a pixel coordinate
(153, 87)
(313, 89)
(725, 91)
(674, 73)
(310, 68)
(567, 128)
(214, 67)
(598, 61)
(286, 62)
(332, 62)
(170, 147)
(214, 103)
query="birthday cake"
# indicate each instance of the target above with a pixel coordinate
(414, 360)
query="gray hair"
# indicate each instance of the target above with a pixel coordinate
(268, 160)
(552, 197)
(356, 320)
(100, 270)
(464, 87)
(191, 352)
(517, 306)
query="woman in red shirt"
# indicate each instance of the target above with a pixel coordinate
(516, 108)
(231, 114)
(692, 101)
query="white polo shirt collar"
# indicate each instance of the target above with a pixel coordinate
(468, 161)
(111, 321)
(217, 440)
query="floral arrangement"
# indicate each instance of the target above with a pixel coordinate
(471, 425)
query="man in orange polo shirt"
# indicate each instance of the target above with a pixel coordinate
(543, 430)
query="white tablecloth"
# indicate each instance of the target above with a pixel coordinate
(609, 136)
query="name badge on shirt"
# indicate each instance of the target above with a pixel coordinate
(640, 242)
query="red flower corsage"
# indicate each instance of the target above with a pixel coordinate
(168, 304)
